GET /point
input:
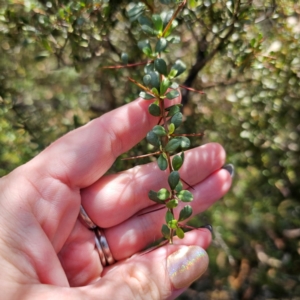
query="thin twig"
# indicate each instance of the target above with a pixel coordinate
(179, 8)
(128, 65)
(141, 156)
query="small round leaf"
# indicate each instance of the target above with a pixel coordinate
(164, 85)
(124, 58)
(173, 179)
(157, 22)
(162, 162)
(172, 145)
(153, 196)
(179, 66)
(159, 130)
(179, 233)
(172, 204)
(171, 128)
(145, 21)
(147, 80)
(172, 110)
(172, 94)
(161, 45)
(185, 213)
(177, 119)
(185, 196)
(173, 224)
(146, 96)
(177, 162)
(155, 81)
(163, 194)
(179, 187)
(153, 139)
(161, 66)
(169, 217)
(154, 110)
(148, 29)
(184, 142)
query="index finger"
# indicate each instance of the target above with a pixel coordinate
(82, 156)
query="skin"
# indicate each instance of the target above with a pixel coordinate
(46, 251)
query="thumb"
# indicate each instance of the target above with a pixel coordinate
(163, 273)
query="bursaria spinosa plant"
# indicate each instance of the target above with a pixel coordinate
(158, 86)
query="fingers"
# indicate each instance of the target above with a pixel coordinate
(84, 155)
(159, 274)
(137, 232)
(120, 196)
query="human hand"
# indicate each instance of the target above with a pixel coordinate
(45, 249)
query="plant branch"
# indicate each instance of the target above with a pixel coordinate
(179, 8)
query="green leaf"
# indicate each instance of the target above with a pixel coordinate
(182, 156)
(177, 162)
(161, 66)
(173, 224)
(175, 86)
(171, 28)
(171, 128)
(135, 12)
(155, 111)
(148, 29)
(172, 94)
(159, 130)
(179, 66)
(161, 45)
(149, 68)
(146, 96)
(177, 119)
(172, 110)
(185, 213)
(158, 22)
(153, 196)
(155, 81)
(166, 15)
(155, 91)
(165, 230)
(145, 47)
(164, 85)
(174, 39)
(172, 204)
(185, 196)
(147, 51)
(147, 80)
(173, 179)
(179, 232)
(145, 21)
(163, 194)
(172, 145)
(153, 139)
(184, 142)
(179, 187)
(169, 217)
(172, 73)
(162, 162)
(124, 58)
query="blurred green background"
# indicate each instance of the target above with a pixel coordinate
(245, 56)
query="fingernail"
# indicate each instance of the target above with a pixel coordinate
(229, 168)
(186, 265)
(208, 226)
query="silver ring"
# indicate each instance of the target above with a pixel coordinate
(100, 251)
(102, 247)
(86, 218)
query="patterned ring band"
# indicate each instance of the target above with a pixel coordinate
(102, 246)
